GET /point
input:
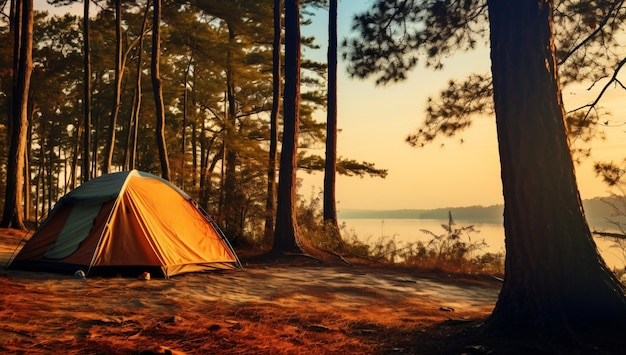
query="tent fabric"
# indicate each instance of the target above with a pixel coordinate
(75, 230)
(127, 222)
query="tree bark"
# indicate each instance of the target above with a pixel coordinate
(158, 90)
(286, 233)
(270, 203)
(13, 215)
(331, 223)
(75, 154)
(183, 150)
(115, 109)
(554, 276)
(28, 198)
(232, 200)
(136, 109)
(86, 173)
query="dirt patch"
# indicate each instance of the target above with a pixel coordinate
(294, 308)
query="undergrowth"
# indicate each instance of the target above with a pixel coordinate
(453, 250)
(456, 249)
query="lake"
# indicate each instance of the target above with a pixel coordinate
(405, 231)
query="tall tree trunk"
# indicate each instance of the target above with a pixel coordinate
(136, 109)
(270, 204)
(185, 118)
(38, 192)
(204, 162)
(194, 154)
(50, 175)
(129, 132)
(331, 223)
(95, 146)
(115, 109)
(13, 215)
(554, 276)
(286, 236)
(43, 167)
(75, 154)
(158, 90)
(86, 173)
(232, 199)
(15, 25)
(28, 198)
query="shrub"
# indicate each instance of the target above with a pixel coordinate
(454, 250)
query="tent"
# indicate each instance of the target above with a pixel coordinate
(126, 223)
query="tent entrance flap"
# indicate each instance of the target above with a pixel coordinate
(77, 228)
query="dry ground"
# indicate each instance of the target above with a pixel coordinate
(293, 306)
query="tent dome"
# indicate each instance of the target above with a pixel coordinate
(127, 223)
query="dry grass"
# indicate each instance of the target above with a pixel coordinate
(284, 308)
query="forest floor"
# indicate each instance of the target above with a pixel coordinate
(290, 306)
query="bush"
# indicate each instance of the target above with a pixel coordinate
(455, 250)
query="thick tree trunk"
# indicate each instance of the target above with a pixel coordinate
(13, 215)
(554, 277)
(158, 90)
(286, 233)
(86, 173)
(115, 109)
(270, 203)
(331, 223)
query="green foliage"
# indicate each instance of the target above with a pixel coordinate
(347, 167)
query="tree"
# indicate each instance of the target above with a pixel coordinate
(331, 223)
(270, 203)
(133, 126)
(286, 232)
(56, 126)
(86, 173)
(396, 44)
(13, 215)
(241, 36)
(158, 89)
(554, 278)
(119, 70)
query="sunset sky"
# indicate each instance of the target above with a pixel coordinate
(375, 120)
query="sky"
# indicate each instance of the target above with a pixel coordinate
(374, 122)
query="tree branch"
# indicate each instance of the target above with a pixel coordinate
(593, 104)
(597, 30)
(610, 235)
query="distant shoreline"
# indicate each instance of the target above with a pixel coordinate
(596, 210)
(491, 213)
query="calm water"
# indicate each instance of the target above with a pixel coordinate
(406, 231)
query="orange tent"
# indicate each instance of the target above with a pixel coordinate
(127, 223)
